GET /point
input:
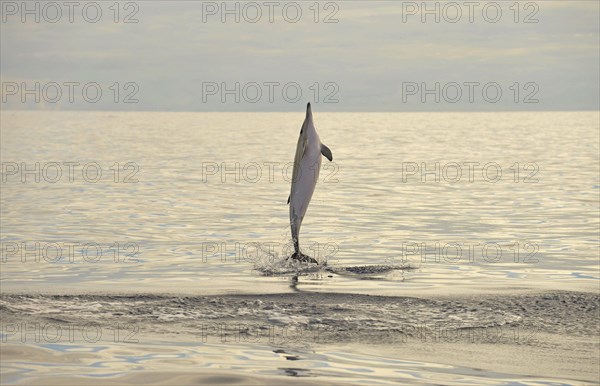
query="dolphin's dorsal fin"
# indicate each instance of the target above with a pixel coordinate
(326, 152)
(290, 196)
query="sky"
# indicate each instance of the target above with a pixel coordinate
(277, 56)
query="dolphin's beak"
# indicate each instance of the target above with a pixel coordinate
(308, 111)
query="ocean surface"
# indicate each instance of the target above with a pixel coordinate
(194, 204)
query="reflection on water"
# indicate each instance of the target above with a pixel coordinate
(230, 363)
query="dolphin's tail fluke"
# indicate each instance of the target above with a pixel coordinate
(304, 258)
(297, 255)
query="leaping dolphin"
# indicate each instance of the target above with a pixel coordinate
(307, 164)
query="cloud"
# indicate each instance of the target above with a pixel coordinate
(170, 53)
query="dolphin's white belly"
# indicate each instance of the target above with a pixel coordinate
(304, 185)
(308, 176)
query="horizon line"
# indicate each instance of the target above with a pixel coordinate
(298, 111)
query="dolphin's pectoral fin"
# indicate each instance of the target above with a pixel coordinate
(290, 196)
(326, 152)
